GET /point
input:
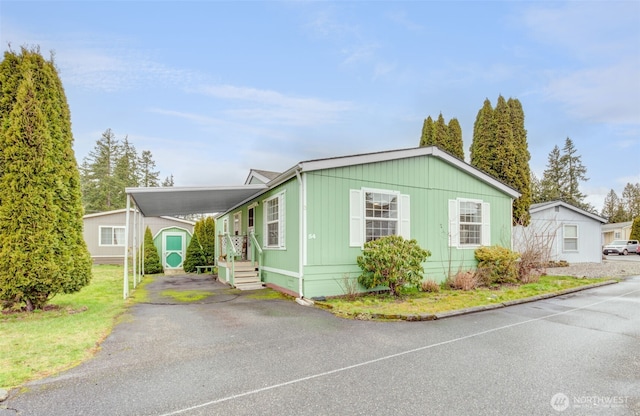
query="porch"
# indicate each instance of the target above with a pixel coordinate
(240, 261)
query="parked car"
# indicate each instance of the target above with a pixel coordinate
(621, 247)
(638, 250)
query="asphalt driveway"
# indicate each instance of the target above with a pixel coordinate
(234, 354)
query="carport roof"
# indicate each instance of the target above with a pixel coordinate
(155, 202)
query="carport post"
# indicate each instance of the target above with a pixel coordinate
(125, 289)
(134, 262)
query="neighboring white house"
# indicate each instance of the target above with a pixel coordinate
(569, 233)
(616, 231)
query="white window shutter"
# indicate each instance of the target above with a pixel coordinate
(405, 217)
(355, 218)
(486, 224)
(454, 227)
(281, 220)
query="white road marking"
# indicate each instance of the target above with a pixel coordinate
(388, 357)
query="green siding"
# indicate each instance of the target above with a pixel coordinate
(429, 181)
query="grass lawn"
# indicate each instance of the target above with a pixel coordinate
(416, 302)
(38, 344)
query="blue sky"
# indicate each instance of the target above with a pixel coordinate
(214, 88)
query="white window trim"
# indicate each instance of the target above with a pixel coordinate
(565, 238)
(238, 216)
(357, 215)
(281, 222)
(225, 225)
(454, 224)
(253, 207)
(113, 227)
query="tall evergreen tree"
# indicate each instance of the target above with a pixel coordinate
(99, 183)
(635, 229)
(455, 145)
(427, 132)
(631, 200)
(168, 181)
(148, 174)
(553, 177)
(612, 208)
(42, 250)
(482, 146)
(126, 172)
(522, 179)
(440, 133)
(575, 172)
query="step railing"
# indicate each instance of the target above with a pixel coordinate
(255, 246)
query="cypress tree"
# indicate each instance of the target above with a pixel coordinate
(194, 256)
(441, 133)
(635, 229)
(42, 250)
(205, 228)
(482, 146)
(427, 132)
(455, 145)
(152, 263)
(522, 178)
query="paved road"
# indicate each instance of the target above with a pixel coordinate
(574, 355)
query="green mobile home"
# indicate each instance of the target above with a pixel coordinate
(302, 232)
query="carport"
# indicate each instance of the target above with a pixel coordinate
(170, 201)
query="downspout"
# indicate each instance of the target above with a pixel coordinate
(301, 227)
(125, 289)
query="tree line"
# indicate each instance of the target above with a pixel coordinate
(112, 166)
(500, 149)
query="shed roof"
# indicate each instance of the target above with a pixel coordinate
(550, 204)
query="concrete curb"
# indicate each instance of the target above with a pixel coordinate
(482, 308)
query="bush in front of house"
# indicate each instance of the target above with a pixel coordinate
(195, 255)
(463, 280)
(152, 263)
(391, 261)
(497, 265)
(430, 286)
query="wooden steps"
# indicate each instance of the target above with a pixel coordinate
(246, 276)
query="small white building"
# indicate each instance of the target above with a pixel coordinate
(568, 233)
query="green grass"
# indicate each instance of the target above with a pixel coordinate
(415, 302)
(186, 295)
(38, 344)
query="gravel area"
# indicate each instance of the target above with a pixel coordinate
(608, 268)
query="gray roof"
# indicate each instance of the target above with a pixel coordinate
(550, 204)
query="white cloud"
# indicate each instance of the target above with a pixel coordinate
(401, 18)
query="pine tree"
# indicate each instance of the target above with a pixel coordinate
(536, 189)
(152, 264)
(205, 229)
(552, 177)
(455, 145)
(575, 172)
(148, 174)
(194, 256)
(99, 183)
(42, 250)
(631, 200)
(612, 208)
(427, 132)
(126, 172)
(168, 181)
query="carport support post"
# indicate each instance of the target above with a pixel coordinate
(134, 263)
(125, 289)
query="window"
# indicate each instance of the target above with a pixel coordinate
(616, 234)
(377, 213)
(250, 217)
(237, 223)
(112, 236)
(274, 221)
(225, 225)
(381, 215)
(469, 223)
(570, 237)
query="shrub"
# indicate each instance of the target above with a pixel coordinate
(152, 263)
(467, 280)
(195, 256)
(500, 262)
(429, 285)
(391, 261)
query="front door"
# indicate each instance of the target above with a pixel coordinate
(173, 250)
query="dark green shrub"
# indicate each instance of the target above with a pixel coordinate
(195, 255)
(500, 263)
(391, 261)
(152, 263)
